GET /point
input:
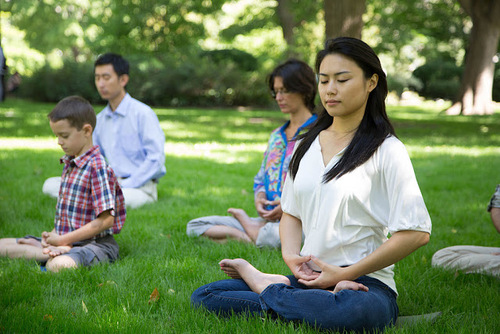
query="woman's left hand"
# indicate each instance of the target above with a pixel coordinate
(330, 275)
(274, 214)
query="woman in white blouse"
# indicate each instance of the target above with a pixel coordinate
(350, 183)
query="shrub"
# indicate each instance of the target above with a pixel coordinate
(206, 78)
(52, 85)
(440, 78)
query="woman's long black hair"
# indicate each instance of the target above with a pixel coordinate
(375, 125)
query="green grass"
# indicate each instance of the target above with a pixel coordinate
(212, 156)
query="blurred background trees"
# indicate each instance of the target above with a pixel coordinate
(218, 53)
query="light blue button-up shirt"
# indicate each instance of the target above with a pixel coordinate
(132, 141)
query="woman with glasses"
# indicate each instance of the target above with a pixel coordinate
(350, 184)
(293, 86)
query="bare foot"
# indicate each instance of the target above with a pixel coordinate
(29, 241)
(54, 251)
(250, 226)
(349, 285)
(256, 280)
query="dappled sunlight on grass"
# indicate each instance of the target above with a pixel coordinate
(221, 153)
(29, 143)
(452, 150)
(213, 151)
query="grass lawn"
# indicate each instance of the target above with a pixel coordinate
(211, 158)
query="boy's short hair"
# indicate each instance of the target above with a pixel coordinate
(76, 110)
(120, 64)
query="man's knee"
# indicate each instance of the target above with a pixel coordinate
(51, 186)
(60, 262)
(135, 198)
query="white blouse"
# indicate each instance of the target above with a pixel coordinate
(349, 217)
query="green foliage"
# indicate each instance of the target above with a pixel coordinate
(405, 33)
(219, 78)
(51, 85)
(399, 22)
(496, 84)
(244, 60)
(83, 28)
(440, 79)
(212, 156)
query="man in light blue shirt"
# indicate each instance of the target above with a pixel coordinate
(128, 133)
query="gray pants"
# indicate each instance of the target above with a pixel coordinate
(470, 259)
(269, 234)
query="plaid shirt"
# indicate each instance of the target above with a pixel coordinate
(88, 188)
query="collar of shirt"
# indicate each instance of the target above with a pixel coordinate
(309, 121)
(121, 109)
(82, 159)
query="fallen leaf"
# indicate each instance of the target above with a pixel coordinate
(107, 283)
(84, 307)
(154, 297)
(47, 317)
(171, 291)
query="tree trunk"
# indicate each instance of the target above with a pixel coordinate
(475, 97)
(344, 18)
(287, 23)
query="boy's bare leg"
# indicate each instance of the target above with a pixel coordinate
(9, 247)
(220, 234)
(349, 285)
(29, 241)
(250, 226)
(60, 262)
(255, 279)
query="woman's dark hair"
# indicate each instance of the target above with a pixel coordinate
(298, 77)
(120, 64)
(375, 125)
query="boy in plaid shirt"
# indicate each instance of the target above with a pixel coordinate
(90, 207)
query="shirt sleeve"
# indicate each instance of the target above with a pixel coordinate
(102, 194)
(289, 203)
(259, 183)
(407, 209)
(153, 143)
(258, 180)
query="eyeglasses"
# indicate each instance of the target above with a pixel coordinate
(275, 93)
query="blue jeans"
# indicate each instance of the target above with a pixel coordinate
(345, 310)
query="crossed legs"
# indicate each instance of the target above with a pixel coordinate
(30, 248)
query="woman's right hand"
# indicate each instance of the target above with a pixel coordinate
(260, 204)
(299, 267)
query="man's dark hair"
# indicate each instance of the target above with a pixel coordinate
(76, 110)
(120, 64)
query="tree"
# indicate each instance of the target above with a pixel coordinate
(287, 21)
(407, 34)
(475, 95)
(86, 28)
(344, 18)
